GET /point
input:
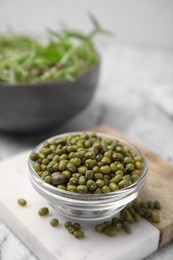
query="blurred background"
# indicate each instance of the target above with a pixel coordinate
(135, 92)
(137, 22)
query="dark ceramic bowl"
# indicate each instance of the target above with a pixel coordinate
(36, 107)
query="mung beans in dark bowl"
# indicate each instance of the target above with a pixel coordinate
(86, 174)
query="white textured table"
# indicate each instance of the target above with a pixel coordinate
(134, 96)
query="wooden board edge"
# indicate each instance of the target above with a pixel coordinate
(166, 234)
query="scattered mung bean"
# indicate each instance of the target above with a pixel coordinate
(78, 234)
(54, 222)
(22, 202)
(43, 212)
(74, 229)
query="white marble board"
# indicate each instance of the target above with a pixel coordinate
(51, 243)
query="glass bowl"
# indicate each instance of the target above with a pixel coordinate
(89, 206)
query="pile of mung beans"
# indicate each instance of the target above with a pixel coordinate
(86, 163)
(74, 229)
(130, 214)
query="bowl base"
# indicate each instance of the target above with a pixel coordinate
(85, 215)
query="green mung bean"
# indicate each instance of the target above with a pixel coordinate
(78, 234)
(105, 189)
(77, 226)
(151, 204)
(113, 186)
(54, 222)
(71, 188)
(155, 218)
(157, 205)
(33, 156)
(127, 228)
(43, 211)
(71, 230)
(110, 231)
(22, 202)
(83, 189)
(91, 185)
(67, 224)
(100, 227)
